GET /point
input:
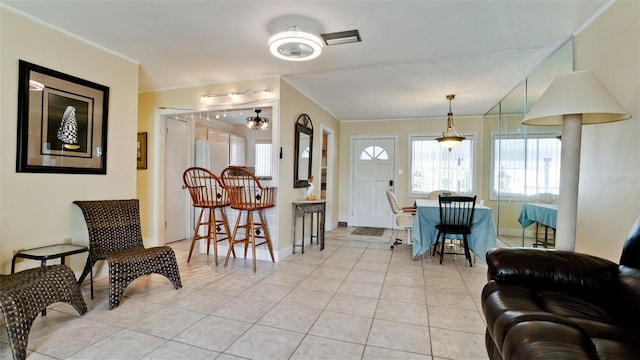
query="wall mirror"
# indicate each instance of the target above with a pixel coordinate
(303, 151)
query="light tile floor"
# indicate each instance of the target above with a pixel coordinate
(357, 299)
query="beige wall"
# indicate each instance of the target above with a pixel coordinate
(292, 103)
(401, 129)
(36, 209)
(609, 169)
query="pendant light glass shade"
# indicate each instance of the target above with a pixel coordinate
(450, 137)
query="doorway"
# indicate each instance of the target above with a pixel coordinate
(327, 161)
(163, 210)
(372, 173)
(176, 199)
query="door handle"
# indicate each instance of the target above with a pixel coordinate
(391, 183)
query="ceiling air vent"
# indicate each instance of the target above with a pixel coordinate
(341, 37)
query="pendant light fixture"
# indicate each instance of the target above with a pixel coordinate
(295, 45)
(450, 138)
(257, 122)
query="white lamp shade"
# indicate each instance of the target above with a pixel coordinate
(579, 92)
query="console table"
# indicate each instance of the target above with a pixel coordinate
(315, 208)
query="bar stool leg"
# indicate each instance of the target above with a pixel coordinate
(267, 237)
(225, 227)
(195, 234)
(233, 241)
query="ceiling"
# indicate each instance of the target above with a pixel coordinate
(412, 53)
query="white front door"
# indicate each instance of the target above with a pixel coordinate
(176, 197)
(373, 167)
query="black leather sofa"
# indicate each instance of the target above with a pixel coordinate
(545, 304)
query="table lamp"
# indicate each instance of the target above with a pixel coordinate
(572, 100)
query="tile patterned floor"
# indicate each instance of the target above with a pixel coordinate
(357, 299)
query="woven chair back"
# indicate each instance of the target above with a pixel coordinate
(113, 225)
(245, 190)
(205, 188)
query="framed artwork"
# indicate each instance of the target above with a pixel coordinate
(142, 150)
(62, 123)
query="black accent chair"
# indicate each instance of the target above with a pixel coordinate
(25, 294)
(546, 304)
(456, 215)
(115, 236)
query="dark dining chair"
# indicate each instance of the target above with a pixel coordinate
(115, 236)
(456, 215)
(211, 198)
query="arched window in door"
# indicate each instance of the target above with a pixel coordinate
(374, 152)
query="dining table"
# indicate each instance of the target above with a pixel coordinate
(545, 214)
(540, 213)
(481, 239)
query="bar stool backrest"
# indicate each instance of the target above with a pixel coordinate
(206, 188)
(245, 190)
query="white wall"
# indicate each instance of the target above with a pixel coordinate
(36, 209)
(610, 157)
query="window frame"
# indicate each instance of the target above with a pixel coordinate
(471, 136)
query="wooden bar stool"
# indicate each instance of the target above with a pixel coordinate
(208, 194)
(250, 198)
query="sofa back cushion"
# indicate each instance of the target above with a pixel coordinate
(631, 250)
(560, 269)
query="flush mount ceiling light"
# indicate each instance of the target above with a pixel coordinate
(295, 45)
(256, 122)
(450, 138)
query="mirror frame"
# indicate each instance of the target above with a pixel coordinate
(303, 126)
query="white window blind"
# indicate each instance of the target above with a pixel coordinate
(263, 156)
(435, 168)
(525, 165)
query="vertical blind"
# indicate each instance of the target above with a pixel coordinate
(436, 168)
(526, 165)
(263, 155)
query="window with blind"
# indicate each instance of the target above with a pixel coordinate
(433, 167)
(525, 165)
(263, 155)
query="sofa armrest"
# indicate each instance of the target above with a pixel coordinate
(550, 267)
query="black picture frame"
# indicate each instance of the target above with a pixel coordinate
(62, 122)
